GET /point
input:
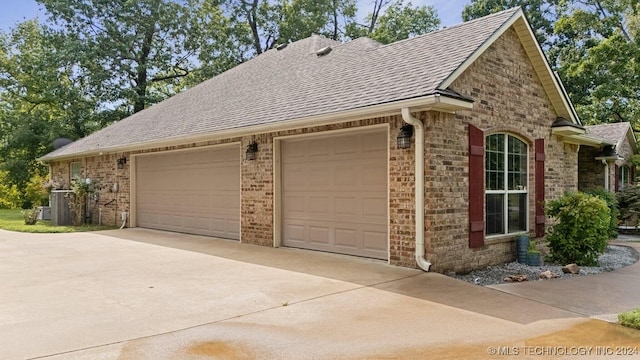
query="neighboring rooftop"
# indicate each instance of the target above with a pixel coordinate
(612, 132)
(295, 83)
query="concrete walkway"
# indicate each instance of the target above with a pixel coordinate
(602, 296)
(142, 294)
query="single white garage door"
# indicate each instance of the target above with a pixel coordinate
(195, 192)
(334, 193)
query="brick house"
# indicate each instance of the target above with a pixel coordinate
(316, 145)
(606, 165)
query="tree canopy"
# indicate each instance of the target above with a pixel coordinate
(92, 62)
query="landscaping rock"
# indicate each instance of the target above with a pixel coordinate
(546, 275)
(571, 269)
(615, 258)
(516, 278)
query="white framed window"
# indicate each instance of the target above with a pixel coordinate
(76, 170)
(506, 182)
(623, 177)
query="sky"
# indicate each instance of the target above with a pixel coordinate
(14, 11)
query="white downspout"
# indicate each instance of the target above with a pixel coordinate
(606, 175)
(419, 187)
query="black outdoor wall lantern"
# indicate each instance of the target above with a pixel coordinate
(121, 162)
(252, 149)
(404, 137)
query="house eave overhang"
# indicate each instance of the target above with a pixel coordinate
(609, 158)
(568, 131)
(584, 139)
(433, 102)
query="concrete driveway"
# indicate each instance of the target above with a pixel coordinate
(143, 294)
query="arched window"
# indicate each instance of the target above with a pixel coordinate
(506, 181)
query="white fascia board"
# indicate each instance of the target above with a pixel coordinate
(584, 140)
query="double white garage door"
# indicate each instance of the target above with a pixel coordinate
(333, 191)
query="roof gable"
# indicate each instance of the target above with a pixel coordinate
(615, 133)
(553, 86)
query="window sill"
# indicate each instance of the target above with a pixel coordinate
(499, 239)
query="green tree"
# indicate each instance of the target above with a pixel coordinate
(267, 23)
(597, 57)
(398, 21)
(9, 194)
(223, 44)
(541, 14)
(40, 99)
(302, 18)
(405, 21)
(125, 48)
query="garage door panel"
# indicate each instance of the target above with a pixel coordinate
(344, 145)
(194, 192)
(296, 232)
(376, 142)
(374, 176)
(346, 206)
(319, 235)
(319, 177)
(296, 205)
(319, 205)
(347, 238)
(344, 175)
(375, 241)
(196, 224)
(374, 207)
(335, 193)
(316, 148)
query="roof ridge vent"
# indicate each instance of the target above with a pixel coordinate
(324, 51)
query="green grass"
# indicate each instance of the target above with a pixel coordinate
(13, 220)
(630, 319)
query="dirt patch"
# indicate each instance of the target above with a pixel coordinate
(593, 339)
(219, 350)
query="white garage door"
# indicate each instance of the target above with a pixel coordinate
(195, 192)
(334, 194)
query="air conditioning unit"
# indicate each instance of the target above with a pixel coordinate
(44, 212)
(60, 212)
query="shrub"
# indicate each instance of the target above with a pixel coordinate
(30, 216)
(612, 204)
(82, 192)
(581, 231)
(9, 195)
(35, 191)
(629, 204)
(630, 319)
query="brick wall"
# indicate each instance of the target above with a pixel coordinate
(590, 170)
(508, 98)
(256, 201)
(401, 199)
(104, 173)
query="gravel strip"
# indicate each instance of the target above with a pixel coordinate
(614, 258)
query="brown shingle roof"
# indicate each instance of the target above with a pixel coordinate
(613, 132)
(294, 83)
